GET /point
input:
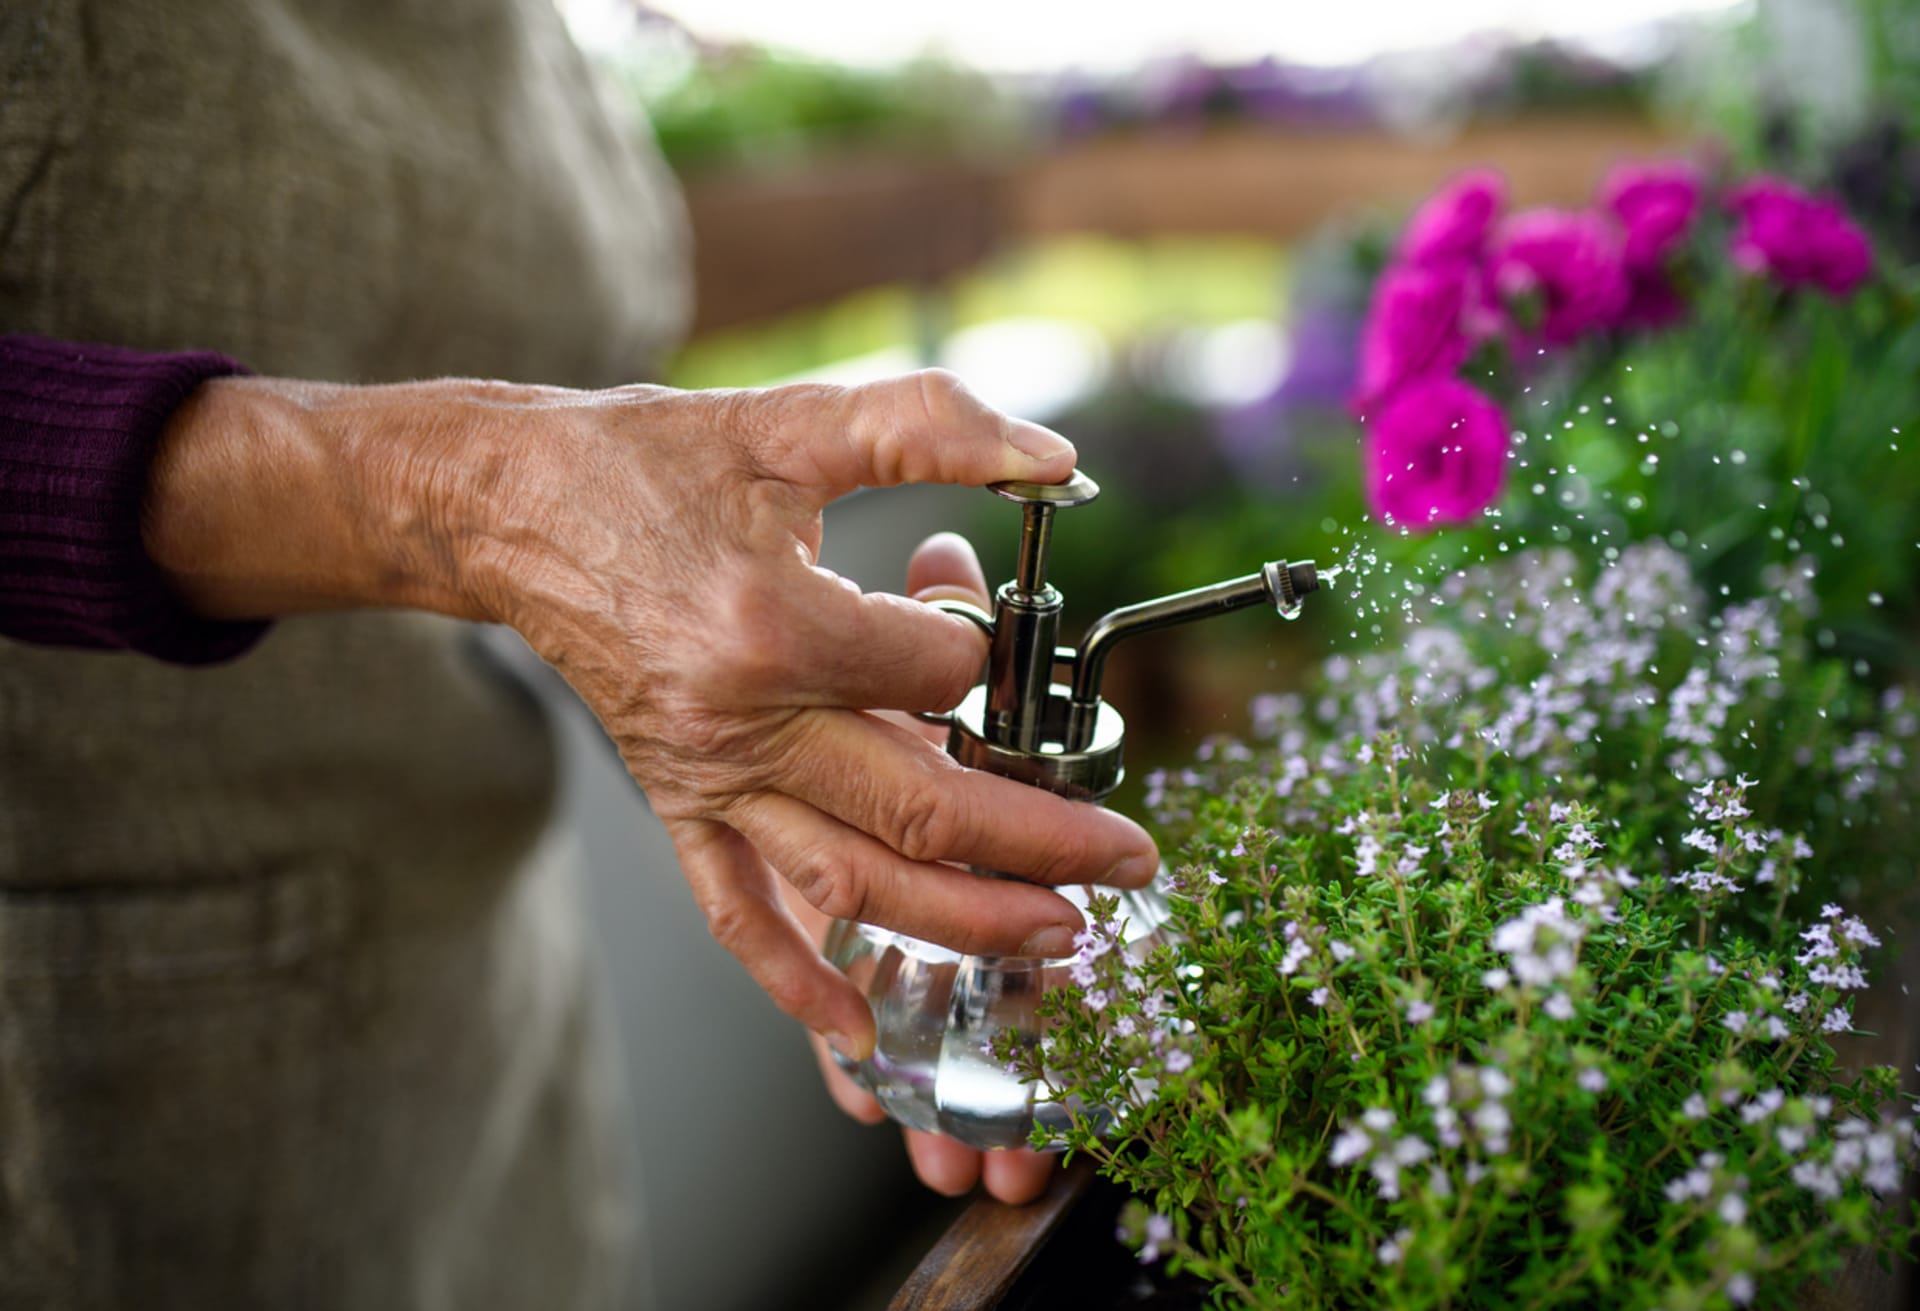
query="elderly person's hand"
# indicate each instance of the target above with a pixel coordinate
(944, 568)
(658, 548)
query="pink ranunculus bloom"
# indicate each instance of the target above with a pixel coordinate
(1799, 239)
(1571, 261)
(1436, 454)
(1415, 328)
(1453, 225)
(1656, 203)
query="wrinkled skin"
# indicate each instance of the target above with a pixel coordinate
(658, 548)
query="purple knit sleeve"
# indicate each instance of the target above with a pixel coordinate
(78, 428)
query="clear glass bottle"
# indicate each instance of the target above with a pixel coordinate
(937, 1012)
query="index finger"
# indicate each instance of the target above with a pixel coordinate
(923, 427)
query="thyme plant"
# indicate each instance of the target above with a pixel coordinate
(1508, 974)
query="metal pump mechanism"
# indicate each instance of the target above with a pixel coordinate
(937, 1012)
(1063, 736)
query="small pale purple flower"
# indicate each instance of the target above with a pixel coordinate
(1159, 1230)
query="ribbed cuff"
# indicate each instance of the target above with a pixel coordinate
(78, 428)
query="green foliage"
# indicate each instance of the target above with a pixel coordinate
(1498, 983)
(755, 106)
(1767, 428)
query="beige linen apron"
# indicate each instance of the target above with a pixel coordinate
(296, 1008)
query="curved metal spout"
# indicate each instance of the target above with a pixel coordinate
(1278, 583)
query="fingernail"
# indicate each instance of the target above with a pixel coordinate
(1036, 443)
(843, 1047)
(1052, 943)
(1133, 872)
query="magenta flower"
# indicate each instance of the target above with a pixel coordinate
(1437, 454)
(1415, 329)
(1656, 204)
(1569, 262)
(1799, 239)
(1452, 227)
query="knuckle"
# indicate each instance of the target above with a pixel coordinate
(729, 924)
(755, 646)
(926, 822)
(942, 397)
(832, 884)
(940, 388)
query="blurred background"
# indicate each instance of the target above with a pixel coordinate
(1155, 229)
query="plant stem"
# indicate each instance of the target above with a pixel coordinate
(1337, 1202)
(1568, 1277)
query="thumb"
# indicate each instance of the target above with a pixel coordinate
(924, 427)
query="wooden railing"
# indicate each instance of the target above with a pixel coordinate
(771, 243)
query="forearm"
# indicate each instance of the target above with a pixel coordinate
(274, 497)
